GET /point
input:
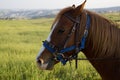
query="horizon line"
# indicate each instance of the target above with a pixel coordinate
(52, 8)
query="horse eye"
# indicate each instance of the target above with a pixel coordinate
(61, 31)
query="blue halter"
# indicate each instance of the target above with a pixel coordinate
(59, 54)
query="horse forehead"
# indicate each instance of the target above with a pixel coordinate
(53, 28)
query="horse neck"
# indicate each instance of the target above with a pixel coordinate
(103, 38)
(103, 41)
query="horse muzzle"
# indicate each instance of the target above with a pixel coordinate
(45, 65)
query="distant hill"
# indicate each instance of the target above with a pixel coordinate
(106, 10)
(33, 14)
(26, 14)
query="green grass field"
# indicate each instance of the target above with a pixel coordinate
(20, 42)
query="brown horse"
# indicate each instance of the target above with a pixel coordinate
(76, 29)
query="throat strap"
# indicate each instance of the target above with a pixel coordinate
(85, 32)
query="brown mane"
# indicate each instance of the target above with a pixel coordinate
(106, 34)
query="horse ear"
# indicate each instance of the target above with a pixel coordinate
(73, 6)
(79, 9)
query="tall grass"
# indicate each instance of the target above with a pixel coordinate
(20, 41)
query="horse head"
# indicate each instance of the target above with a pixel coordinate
(61, 42)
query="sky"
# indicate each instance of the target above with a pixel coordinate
(55, 4)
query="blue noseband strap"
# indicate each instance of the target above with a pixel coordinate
(48, 47)
(59, 56)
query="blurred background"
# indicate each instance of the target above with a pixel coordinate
(24, 24)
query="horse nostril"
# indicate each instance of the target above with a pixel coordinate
(40, 61)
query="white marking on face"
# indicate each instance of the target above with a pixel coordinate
(40, 52)
(44, 65)
(48, 39)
